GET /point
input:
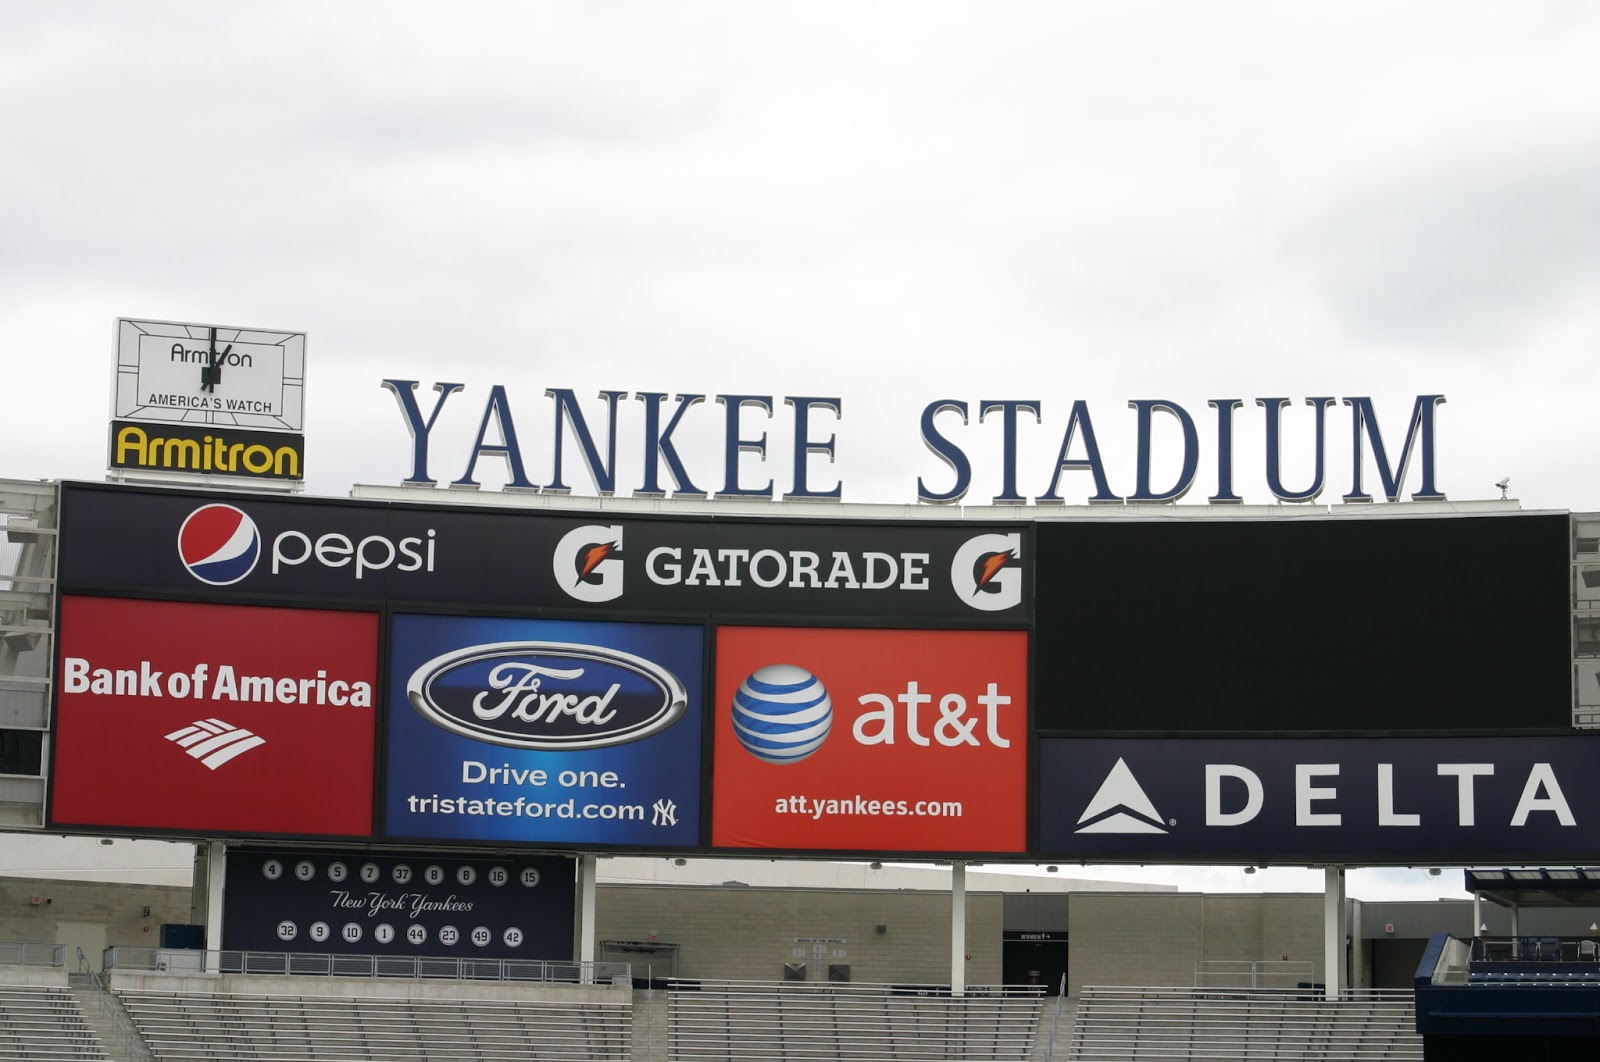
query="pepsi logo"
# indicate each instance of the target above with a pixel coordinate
(218, 544)
(782, 713)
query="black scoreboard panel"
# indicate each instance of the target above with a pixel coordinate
(412, 904)
(1304, 625)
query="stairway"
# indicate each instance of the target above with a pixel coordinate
(109, 1020)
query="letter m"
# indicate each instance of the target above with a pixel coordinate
(180, 453)
(1365, 423)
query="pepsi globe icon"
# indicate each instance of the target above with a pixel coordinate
(782, 713)
(219, 544)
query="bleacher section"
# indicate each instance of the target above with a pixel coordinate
(179, 1027)
(732, 1021)
(1115, 1024)
(1534, 973)
(1536, 996)
(39, 1023)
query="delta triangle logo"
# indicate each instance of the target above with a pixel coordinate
(1120, 806)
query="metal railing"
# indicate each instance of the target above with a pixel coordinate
(1536, 949)
(290, 1024)
(1247, 973)
(416, 968)
(20, 953)
(1120, 1024)
(797, 1021)
(125, 1039)
(870, 988)
(1055, 1020)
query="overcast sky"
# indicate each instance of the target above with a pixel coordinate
(888, 204)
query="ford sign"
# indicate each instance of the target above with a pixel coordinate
(547, 695)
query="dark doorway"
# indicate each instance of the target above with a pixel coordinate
(1394, 962)
(1035, 962)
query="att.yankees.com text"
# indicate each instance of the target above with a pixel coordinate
(825, 807)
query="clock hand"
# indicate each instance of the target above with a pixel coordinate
(211, 373)
(208, 371)
(216, 365)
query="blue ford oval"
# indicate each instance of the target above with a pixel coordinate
(547, 695)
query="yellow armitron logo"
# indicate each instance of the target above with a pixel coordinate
(204, 450)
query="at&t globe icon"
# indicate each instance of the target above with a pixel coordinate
(782, 713)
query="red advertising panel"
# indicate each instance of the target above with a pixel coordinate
(218, 718)
(871, 740)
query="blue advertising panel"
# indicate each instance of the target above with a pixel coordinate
(1345, 800)
(544, 731)
(415, 904)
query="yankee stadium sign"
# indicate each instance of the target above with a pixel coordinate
(577, 435)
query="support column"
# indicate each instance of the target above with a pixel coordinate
(1479, 926)
(1333, 931)
(587, 869)
(199, 879)
(958, 928)
(1359, 977)
(216, 869)
(1516, 932)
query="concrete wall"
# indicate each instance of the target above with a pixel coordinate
(1422, 919)
(745, 933)
(117, 906)
(1157, 939)
(34, 976)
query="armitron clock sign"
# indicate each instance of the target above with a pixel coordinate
(208, 400)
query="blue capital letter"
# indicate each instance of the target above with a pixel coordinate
(805, 446)
(404, 393)
(1393, 480)
(733, 445)
(946, 451)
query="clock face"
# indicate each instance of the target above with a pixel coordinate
(200, 375)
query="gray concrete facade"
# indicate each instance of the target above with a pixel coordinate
(884, 935)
